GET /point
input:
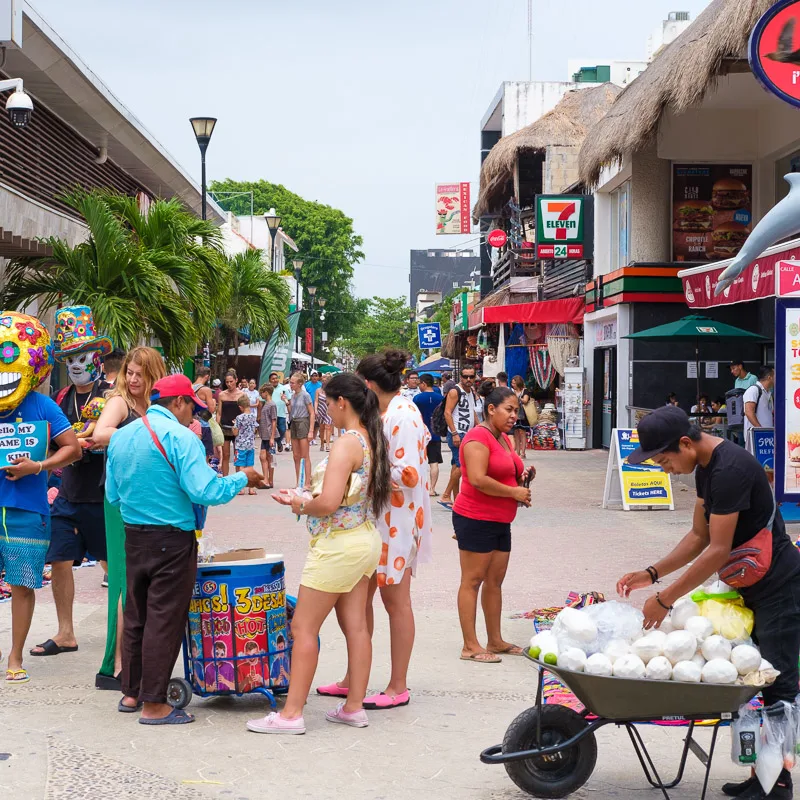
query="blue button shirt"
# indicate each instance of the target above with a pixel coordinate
(312, 388)
(146, 488)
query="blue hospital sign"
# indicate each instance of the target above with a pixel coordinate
(430, 335)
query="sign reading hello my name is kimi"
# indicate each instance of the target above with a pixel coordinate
(23, 440)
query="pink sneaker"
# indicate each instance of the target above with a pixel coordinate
(275, 723)
(356, 719)
(333, 690)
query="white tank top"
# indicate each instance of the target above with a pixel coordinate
(464, 412)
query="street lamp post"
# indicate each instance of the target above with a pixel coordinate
(321, 302)
(273, 223)
(312, 290)
(203, 128)
(298, 273)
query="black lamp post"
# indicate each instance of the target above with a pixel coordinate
(298, 273)
(203, 128)
(312, 290)
(273, 223)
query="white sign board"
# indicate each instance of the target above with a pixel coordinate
(11, 23)
(691, 369)
(712, 369)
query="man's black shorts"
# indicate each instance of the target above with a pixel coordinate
(434, 450)
(76, 528)
(481, 536)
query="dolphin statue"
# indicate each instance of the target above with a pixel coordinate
(780, 222)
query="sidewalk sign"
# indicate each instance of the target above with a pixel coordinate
(762, 446)
(23, 439)
(634, 486)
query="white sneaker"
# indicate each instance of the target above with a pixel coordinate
(275, 723)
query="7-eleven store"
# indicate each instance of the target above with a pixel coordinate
(770, 287)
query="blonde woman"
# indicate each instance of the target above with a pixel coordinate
(128, 401)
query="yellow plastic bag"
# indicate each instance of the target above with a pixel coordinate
(730, 618)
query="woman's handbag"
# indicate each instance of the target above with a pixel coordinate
(531, 412)
(750, 562)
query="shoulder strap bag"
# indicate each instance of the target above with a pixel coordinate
(200, 512)
(750, 562)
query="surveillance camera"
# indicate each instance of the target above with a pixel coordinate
(20, 108)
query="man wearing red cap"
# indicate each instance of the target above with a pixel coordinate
(157, 474)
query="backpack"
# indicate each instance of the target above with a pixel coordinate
(438, 422)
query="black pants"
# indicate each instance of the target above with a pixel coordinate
(777, 634)
(161, 572)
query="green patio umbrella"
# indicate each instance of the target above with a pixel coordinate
(327, 368)
(694, 328)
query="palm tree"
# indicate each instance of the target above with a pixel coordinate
(161, 276)
(259, 301)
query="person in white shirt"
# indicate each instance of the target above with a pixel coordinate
(255, 398)
(412, 385)
(758, 405)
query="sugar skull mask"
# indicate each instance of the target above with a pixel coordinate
(83, 368)
(26, 357)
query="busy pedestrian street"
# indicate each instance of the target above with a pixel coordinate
(69, 740)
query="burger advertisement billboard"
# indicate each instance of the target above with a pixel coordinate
(711, 210)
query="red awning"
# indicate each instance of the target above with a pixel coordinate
(569, 310)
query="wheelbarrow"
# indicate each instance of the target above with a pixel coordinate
(550, 751)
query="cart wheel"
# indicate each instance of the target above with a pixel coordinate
(179, 693)
(556, 775)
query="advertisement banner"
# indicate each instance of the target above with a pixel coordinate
(452, 208)
(277, 355)
(787, 400)
(711, 210)
(309, 340)
(757, 281)
(763, 448)
(634, 486)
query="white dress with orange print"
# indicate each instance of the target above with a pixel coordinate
(406, 526)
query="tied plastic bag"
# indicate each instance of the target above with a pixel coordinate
(746, 736)
(771, 752)
(729, 616)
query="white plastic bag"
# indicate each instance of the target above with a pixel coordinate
(683, 610)
(746, 736)
(614, 620)
(629, 666)
(572, 658)
(746, 659)
(646, 648)
(575, 624)
(686, 672)
(719, 671)
(700, 627)
(770, 754)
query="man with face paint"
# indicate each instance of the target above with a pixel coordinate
(77, 517)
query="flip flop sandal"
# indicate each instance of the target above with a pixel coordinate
(129, 709)
(17, 676)
(50, 648)
(511, 651)
(448, 506)
(175, 717)
(483, 658)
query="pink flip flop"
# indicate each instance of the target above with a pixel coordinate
(384, 701)
(332, 690)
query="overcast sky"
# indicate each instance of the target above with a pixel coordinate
(360, 104)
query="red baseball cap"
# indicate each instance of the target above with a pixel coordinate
(176, 386)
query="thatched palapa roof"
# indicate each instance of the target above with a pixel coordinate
(566, 125)
(677, 80)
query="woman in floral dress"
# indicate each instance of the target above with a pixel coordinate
(405, 526)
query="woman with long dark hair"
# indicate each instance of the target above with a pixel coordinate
(350, 488)
(493, 482)
(227, 411)
(405, 525)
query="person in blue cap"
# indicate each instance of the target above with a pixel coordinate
(735, 508)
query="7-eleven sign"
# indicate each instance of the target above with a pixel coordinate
(559, 226)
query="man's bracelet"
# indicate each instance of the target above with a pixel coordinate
(653, 573)
(658, 600)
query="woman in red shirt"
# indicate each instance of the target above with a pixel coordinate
(493, 482)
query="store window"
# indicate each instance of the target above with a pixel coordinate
(620, 226)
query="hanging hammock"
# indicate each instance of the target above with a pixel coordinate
(541, 365)
(563, 343)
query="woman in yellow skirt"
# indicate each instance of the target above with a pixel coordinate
(350, 489)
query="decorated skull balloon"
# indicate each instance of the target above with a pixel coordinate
(26, 357)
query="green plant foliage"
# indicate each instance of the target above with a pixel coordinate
(382, 322)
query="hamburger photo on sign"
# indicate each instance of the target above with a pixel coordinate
(711, 210)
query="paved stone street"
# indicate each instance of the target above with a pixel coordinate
(59, 737)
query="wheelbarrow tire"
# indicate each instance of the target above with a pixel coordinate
(179, 692)
(562, 773)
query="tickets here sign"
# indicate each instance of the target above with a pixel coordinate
(23, 440)
(634, 485)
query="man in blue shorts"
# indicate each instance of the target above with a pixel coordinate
(427, 401)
